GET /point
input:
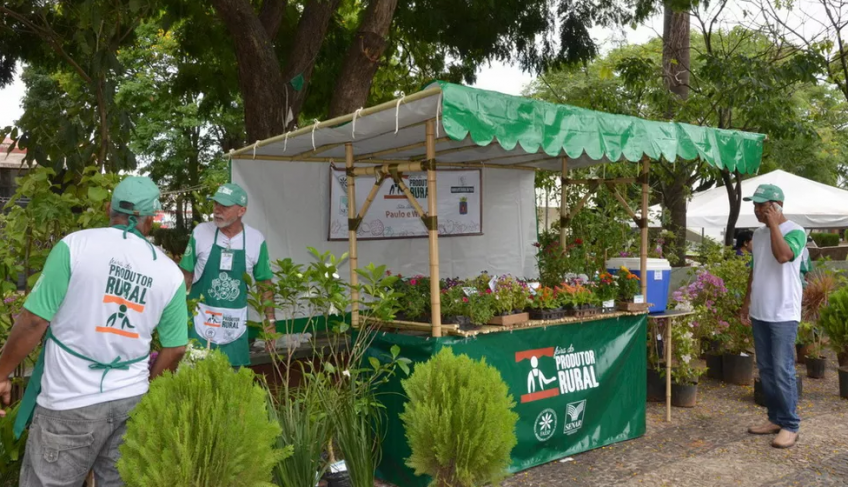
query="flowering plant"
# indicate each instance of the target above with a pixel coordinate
(552, 262)
(481, 307)
(575, 296)
(510, 295)
(716, 296)
(454, 302)
(628, 284)
(685, 369)
(606, 287)
(545, 298)
(416, 296)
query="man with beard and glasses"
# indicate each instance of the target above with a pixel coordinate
(218, 255)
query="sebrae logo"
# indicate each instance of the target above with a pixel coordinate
(545, 425)
(574, 413)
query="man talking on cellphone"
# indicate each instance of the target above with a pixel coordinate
(773, 307)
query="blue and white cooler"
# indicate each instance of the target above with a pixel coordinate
(659, 279)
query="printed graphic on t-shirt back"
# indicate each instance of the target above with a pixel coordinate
(128, 290)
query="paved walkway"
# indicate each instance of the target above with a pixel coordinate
(709, 446)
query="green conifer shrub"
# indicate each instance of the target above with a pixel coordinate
(459, 421)
(206, 425)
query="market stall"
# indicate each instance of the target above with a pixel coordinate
(579, 382)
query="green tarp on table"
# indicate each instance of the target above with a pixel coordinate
(577, 387)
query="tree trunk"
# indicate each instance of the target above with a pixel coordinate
(734, 197)
(676, 30)
(259, 73)
(674, 198)
(301, 60)
(362, 58)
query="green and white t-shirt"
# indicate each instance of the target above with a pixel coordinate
(202, 239)
(104, 296)
(776, 288)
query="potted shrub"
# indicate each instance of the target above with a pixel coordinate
(551, 260)
(804, 341)
(820, 286)
(459, 421)
(737, 364)
(816, 362)
(834, 322)
(684, 371)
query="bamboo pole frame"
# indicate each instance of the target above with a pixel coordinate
(643, 252)
(409, 196)
(370, 198)
(351, 235)
(563, 203)
(386, 169)
(433, 232)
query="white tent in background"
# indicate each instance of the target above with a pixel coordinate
(808, 203)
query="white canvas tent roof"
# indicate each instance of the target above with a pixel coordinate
(808, 203)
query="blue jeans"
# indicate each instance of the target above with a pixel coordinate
(775, 347)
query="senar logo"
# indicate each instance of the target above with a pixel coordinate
(574, 413)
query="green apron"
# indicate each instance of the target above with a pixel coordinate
(221, 318)
(33, 389)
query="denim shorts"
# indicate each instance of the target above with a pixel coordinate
(64, 446)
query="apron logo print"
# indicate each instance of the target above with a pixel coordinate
(225, 288)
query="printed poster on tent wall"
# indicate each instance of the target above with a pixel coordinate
(391, 215)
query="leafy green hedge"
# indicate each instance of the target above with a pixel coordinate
(825, 239)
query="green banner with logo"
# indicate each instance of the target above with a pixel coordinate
(577, 387)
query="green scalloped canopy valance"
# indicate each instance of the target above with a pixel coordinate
(535, 125)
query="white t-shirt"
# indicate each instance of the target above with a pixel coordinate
(203, 238)
(776, 289)
(104, 296)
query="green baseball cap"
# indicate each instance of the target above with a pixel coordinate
(137, 196)
(230, 194)
(766, 192)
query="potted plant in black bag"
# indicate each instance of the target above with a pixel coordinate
(834, 322)
(816, 362)
(685, 370)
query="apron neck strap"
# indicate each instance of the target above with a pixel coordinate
(243, 238)
(130, 228)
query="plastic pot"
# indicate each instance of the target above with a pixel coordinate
(656, 386)
(714, 367)
(843, 382)
(737, 369)
(816, 367)
(842, 358)
(684, 395)
(801, 353)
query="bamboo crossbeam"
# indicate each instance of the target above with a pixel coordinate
(409, 196)
(447, 151)
(351, 235)
(622, 201)
(477, 165)
(385, 169)
(605, 181)
(411, 325)
(325, 160)
(582, 202)
(389, 105)
(394, 150)
(371, 196)
(323, 148)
